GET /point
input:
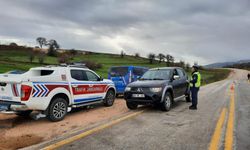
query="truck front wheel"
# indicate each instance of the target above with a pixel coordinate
(132, 105)
(57, 109)
(110, 98)
(167, 102)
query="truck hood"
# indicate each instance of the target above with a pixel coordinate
(148, 83)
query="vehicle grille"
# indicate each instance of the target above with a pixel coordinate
(137, 90)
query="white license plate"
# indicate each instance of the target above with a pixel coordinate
(138, 95)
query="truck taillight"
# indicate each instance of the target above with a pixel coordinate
(25, 92)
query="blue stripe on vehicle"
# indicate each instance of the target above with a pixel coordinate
(45, 90)
(37, 91)
(86, 99)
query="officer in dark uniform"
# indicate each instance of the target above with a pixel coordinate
(195, 84)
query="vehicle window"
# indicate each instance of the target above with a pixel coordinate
(139, 71)
(91, 76)
(180, 72)
(163, 74)
(79, 75)
(39, 72)
(184, 73)
(118, 71)
(175, 73)
(46, 72)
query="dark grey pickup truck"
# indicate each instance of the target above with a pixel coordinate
(158, 86)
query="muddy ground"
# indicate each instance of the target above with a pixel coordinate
(18, 132)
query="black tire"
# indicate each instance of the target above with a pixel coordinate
(109, 99)
(132, 105)
(167, 102)
(24, 113)
(57, 109)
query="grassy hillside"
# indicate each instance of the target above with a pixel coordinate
(19, 60)
(245, 66)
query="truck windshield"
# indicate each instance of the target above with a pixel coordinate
(118, 71)
(157, 75)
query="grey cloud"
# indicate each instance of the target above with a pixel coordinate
(194, 30)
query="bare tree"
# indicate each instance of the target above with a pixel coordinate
(182, 64)
(53, 46)
(122, 54)
(172, 59)
(187, 67)
(151, 58)
(168, 59)
(41, 41)
(161, 57)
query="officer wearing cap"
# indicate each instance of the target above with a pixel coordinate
(195, 84)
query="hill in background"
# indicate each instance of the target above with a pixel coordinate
(19, 59)
(225, 64)
(245, 66)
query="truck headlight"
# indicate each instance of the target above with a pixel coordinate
(155, 89)
(127, 88)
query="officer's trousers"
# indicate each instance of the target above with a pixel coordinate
(194, 95)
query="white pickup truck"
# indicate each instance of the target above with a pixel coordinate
(53, 90)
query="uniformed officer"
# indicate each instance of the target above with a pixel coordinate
(195, 84)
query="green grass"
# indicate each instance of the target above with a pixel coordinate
(213, 75)
(19, 60)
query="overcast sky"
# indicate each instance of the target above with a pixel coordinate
(191, 30)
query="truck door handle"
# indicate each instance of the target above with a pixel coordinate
(74, 86)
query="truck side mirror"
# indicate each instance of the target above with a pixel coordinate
(100, 79)
(176, 77)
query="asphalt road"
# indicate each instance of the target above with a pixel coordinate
(181, 128)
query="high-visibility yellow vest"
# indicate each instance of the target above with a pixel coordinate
(198, 83)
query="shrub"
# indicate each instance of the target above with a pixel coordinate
(73, 52)
(64, 58)
(137, 55)
(13, 44)
(31, 56)
(92, 65)
(41, 57)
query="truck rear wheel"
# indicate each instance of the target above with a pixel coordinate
(110, 98)
(132, 105)
(57, 109)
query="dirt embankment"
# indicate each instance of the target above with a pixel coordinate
(17, 132)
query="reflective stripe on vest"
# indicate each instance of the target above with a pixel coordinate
(198, 82)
